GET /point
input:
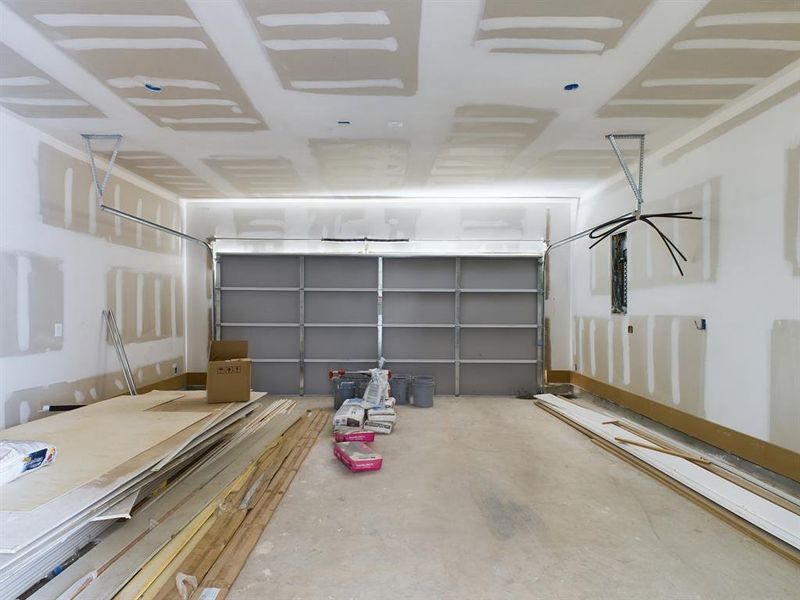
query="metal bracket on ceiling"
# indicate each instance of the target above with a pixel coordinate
(638, 188)
(87, 140)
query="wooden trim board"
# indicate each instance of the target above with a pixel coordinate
(765, 454)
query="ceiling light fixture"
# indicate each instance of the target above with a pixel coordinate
(394, 124)
(151, 87)
(571, 87)
(343, 122)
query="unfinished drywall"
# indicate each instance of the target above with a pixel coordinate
(58, 256)
(31, 303)
(741, 278)
(792, 211)
(460, 224)
(784, 388)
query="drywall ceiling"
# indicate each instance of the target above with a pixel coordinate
(263, 98)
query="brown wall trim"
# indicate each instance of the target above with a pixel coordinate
(556, 376)
(196, 378)
(764, 454)
(176, 382)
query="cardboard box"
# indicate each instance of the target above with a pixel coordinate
(357, 456)
(229, 372)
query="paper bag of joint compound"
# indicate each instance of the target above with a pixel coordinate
(18, 457)
(349, 416)
(378, 388)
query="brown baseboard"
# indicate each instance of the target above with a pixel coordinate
(176, 382)
(765, 454)
(555, 376)
(196, 378)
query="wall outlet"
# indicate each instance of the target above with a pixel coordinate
(58, 330)
(630, 328)
(174, 369)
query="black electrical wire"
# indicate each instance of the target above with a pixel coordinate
(608, 228)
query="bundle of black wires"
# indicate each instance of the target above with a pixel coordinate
(608, 228)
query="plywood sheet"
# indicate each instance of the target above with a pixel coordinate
(91, 442)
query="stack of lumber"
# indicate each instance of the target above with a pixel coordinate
(122, 458)
(762, 512)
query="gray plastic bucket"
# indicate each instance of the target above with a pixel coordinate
(399, 386)
(422, 390)
(344, 390)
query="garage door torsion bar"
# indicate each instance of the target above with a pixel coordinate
(101, 188)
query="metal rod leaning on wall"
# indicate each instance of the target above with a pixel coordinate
(101, 188)
(116, 339)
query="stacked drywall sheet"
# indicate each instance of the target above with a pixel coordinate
(113, 456)
(195, 537)
(779, 519)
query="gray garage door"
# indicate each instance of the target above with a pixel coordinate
(471, 322)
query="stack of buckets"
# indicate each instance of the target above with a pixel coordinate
(413, 389)
(406, 389)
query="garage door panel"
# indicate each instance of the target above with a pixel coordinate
(341, 342)
(419, 273)
(267, 342)
(260, 271)
(498, 273)
(341, 307)
(260, 307)
(488, 308)
(506, 380)
(276, 378)
(341, 272)
(418, 343)
(419, 308)
(488, 344)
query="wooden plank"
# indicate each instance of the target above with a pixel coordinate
(230, 563)
(758, 534)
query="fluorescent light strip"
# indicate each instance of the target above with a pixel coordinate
(157, 167)
(110, 20)
(386, 44)
(702, 81)
(375, 17)
(23, 81)
(493, 24)
(131, 44)
(164, 102)
(520, 120)
(211, 121)
(542, 44)
(751, 18)
(668, 102)
(489, 134)
(738, 44)
(139, 81)
(348, 84)
(43, 101)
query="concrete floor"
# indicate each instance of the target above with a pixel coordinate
(495, 498)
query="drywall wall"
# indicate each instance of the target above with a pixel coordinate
(62, 261)
(462, 224)
(741, 276)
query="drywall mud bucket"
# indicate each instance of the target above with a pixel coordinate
(422, 390)
(343, 390)
(399, 386)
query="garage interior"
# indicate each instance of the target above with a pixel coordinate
(399, 298)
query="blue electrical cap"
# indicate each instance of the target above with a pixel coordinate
(571, 86)
(152, 87)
